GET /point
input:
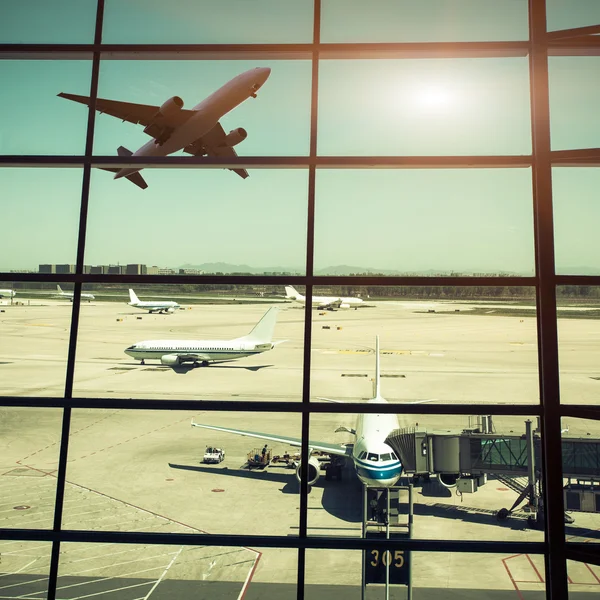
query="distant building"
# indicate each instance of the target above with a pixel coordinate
(116, 269)
(47, 269)
(65, 269)
(163, 271)
(134, 269)
(191, 272)
(99, 270)
(152, 270)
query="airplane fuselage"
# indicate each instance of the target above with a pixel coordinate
(207, 350)
(151, 307)
(375, 462)
(207, 114)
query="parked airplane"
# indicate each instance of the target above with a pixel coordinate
(166, 306)
(8, 293)
(176, 352)
(69, 295)
(374, 461)
(326, 302)
(196, 131)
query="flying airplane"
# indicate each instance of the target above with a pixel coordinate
(175, 352)
(8, 293)
(326, 302)
(196, 131)
(69, 295)
(166, 306)
(374, 461)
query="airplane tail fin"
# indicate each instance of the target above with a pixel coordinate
(263, 330)
(58, 289)
(135, 178)
(132, 297)
(291, 293)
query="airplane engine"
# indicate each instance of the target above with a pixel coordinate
(170, 310)
(235, 136)
(171, 107)
(448, 480)
(170, 360)
(344, 305)
(313, 470)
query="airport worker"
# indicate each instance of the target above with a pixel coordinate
(264, 452)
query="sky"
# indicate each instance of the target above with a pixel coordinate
(472, 220)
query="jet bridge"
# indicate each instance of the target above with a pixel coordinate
(463, 459)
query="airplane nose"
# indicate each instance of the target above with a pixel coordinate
(265, 72)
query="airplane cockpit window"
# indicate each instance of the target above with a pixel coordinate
(373, 457)
(362, 454)
(387, 456)
(394, 456)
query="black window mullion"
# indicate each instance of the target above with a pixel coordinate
(66, 421)
(555, 563)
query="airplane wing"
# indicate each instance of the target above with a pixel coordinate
(337, 449)
(213, 144)
(141, 114)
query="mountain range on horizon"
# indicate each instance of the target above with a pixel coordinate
(337, 270)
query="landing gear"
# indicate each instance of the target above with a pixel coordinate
(204, 363)
(142, 362)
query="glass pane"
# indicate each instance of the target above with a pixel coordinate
(24, 570)
(472, 576)
(230, 346)
(207, 22)
(576, 220)
(467, 474)
(578, 309)
(201, 220)
(584, 580)
(565, 14)
(424, 107)
(277, 121)
(42, 206)
(133, 470)
(35, 340)
(29, 446)
(42, 22)
(141, 571)
(574, 84)
(58, 128)
(424, 21)
(453, 344)
(581, 494)
(424, 222)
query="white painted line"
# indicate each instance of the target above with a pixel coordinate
(21, 569)
(127, 587)
(250, 573)
(163, 574)
(125, 562)
(5, 587)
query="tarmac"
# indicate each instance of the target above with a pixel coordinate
(142, 470)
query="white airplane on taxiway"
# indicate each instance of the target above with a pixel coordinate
(166, 306)
(174, 353)
(196, 131)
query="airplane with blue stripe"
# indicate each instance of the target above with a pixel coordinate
(375, 463)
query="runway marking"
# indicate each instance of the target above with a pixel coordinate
(125, 587)
(163, 574)
(19, 570)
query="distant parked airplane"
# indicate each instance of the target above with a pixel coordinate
(69, 295)
(196, 131)
(175, 352)
(8, 293)
(166, 306)
(326, 302)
